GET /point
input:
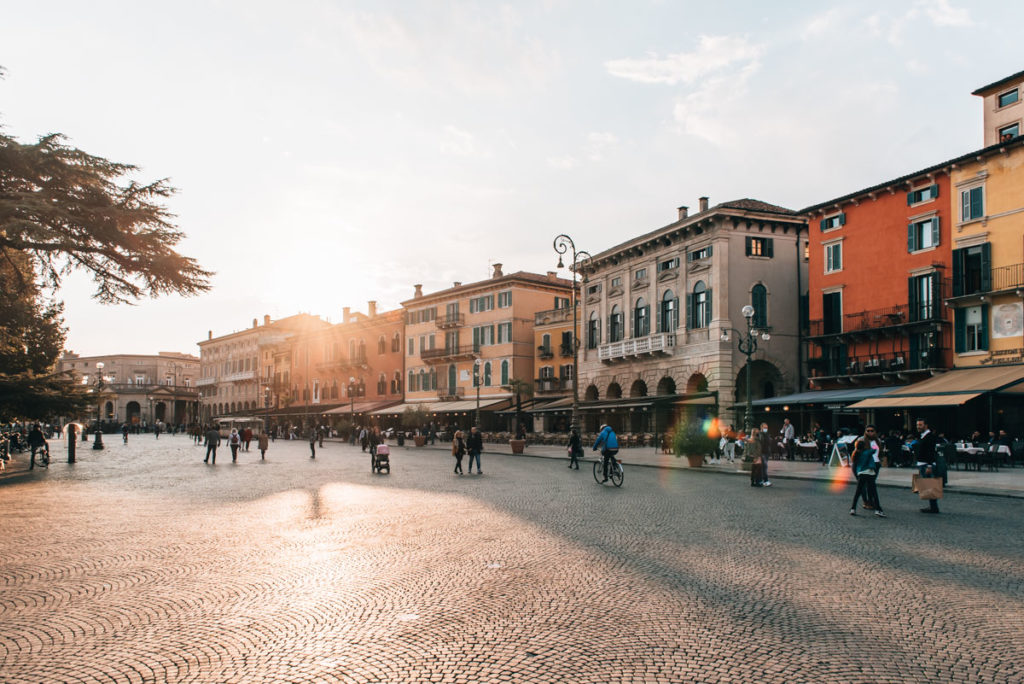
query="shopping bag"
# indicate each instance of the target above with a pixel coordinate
(929, 487)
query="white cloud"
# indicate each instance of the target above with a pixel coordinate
(713, 111)
(565, 163)
(459, 143)
(822, 25)
(943, 14)
(712, 54)
(598, 144)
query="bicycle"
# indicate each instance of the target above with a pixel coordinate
(42, 457)
(615, 473)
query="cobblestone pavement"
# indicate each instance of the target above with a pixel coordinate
(140, 563)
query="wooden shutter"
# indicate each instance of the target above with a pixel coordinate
(935, 231)
(690, 302)
(749, 241)
(675, 314)
(935, 190)
(911, 238)
(910, 198)
(977, 210)
(821, 225)
(769, 249)
(958, 271)
(959, 330)
(709, 309)
(986, 267)
(912, 299)
(983, 332)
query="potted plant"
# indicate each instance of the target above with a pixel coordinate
(692, 440)
(517, 445)
(415, 418)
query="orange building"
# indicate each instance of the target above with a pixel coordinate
(347, 369)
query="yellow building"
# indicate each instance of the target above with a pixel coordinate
(553, 384)
(988, 241)
(474, 339)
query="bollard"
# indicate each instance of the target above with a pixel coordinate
(71, 443)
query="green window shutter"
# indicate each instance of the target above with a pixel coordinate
(912, 299)
(986, 267)
(476, 336)
(821, 225)
(675, 314)
(910, 198)
(959, 330)
(911, 238)
(770, 247)
(749, 241)
(842, 218)
(690, 302)
(935, 231)
(709, 309)
(958, 271)
(935, 190)
(659, 314)
(647, 320)
(983, 336)
(977, 210)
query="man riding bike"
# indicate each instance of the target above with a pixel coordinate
(609, 445)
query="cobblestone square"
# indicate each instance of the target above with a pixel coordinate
(141, 563)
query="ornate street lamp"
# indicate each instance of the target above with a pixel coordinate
(563, 244)
(266, 410)
(98, 442)
(747, 343)
(353, 390)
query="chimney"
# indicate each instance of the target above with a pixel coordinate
(552, 275)
(371, 307)
(266, 319)
(457, 283)
(497, 271)
(209, 334)
(344, 314)
(683, 211)
(419, 291)
(703, 203)
(255, 322)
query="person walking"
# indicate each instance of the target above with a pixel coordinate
(263, 442)
(608, 443)
(322, 432)
(788, 434)
(475, 446)
(753, 449)
(458, 451)
(37, 442)
(212, 442)
(234, 441)
(363, 437)
(766, 451)
(575, 448)
(312, 443)
(124, 432)
(246, 437)
(865, 463)
(924, 453)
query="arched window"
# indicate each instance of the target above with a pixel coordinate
(424, 384)
(759, 300)
(545, 344)
(504, 372)
(641, 318)
(382, 382)
(382, 345)
(351, 350)
(433, 378)
(593, 331)
(412, 382)
(668, 320)
(451, 379)
(615, 331)
(396, 342)
(396, 384)
(487, 374)
(699, 311)
(362, 351)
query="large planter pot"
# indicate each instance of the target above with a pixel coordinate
(746, 465)
(419, 440)
(694, 461)
(517, 445)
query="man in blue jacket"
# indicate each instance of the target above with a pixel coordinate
(608, 443)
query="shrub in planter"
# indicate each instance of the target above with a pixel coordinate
(692, 440)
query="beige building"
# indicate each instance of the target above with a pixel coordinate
(655, 309)
(475, 335)
(1003, 109)
(140, 389)
(231, 380)
(553, 384)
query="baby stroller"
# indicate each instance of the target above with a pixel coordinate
(380, 459)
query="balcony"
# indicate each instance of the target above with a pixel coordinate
(450, 321)
(450, 393)
(661, 343)
(444, 354)
(565, 350)
(895, 365)
(545, 353)
(202, 382)
(972, 286)
(357, 361)
(240, 376)
(552, 384)
(550, 316)
(892, 320)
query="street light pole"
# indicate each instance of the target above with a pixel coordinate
(352, 407)
(563, 244)
(476, 381)
(747, 344)
(97, 443)
(266, 410)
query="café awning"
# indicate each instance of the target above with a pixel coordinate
(952, 388)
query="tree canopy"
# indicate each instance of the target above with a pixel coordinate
(71, 210)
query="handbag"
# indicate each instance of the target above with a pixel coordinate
(929, 488)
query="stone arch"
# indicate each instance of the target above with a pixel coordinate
(591, 394)
(133, 411)
(765, 381)
(108, 410)
(232, 407)
(638, 389)
(666, 386)
(696, 383)
(614, 391)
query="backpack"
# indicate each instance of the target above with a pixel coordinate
(234, 438)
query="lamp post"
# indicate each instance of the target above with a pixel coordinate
(476, 383)
(352, 389)
(747, 344)
(266, 410)
(97, 443)
(563, 244)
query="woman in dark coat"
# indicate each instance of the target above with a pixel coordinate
(458, 451)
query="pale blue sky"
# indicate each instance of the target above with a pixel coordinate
(328, 153)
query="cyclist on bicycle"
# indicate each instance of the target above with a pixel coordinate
(608, 443)
(37, 441)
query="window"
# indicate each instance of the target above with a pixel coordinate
(699, 311)
(759, 247)
(832, 222)
(923, 234)
(545, 343)
(833, 257)
(1009, 132)
(504, 372)
(1008, 98)
(922, 297)
(561, 302)
(759, 300)
(972, 270)
(504, 333)
(641, 318)
(412, 386)
(640, 274)
(925, 194)
(594, 289)
(975, 329)
(832, 313)
(615, 331)
(668, 320)
(668, 264)
(617, 282)
(972, 204)
(396, 342)
(547, 372)
(504, 299)
(698, 254)
(382, 345)
(593, 331)
(487, 374)
(479, 304)
(483, 335)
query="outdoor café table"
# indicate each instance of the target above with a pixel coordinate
(808, 450)
(968, 455)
